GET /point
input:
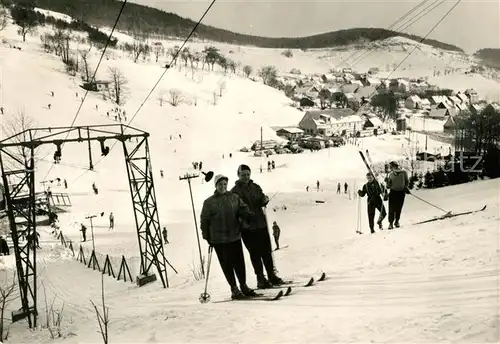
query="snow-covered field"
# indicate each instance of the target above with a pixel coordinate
(434, 282)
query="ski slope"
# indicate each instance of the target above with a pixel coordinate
(420, 283)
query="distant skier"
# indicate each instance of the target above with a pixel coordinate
(273, 165)
(268, 166)
(307, 188)
(65, 184)
(200, 165)
(4, 247)
(161, 173)
(397, 182)
(276, 234)
(49, 106)
(84, 232)
(374, 192)
(165, 235)
(317, 185)
(346, 187)
(221, 228)
(52, 93)
(256, 233)
(1, 110)
(95, 189)
(111, 221)
(338, 188)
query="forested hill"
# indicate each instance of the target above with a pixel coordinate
(147, 19)
(490, 56)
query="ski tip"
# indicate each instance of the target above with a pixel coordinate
(322, 277)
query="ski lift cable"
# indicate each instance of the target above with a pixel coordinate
(174, 58)
(390, 27)
(405, 26)
(93, 75)
(421, 40)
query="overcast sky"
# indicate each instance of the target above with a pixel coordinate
(474, 24)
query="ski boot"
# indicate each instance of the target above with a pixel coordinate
(275, 280)
(247, 291)
(390, 226)
(379, 223)
(372, 231)
(263, 283)
(236, 294)
(396, 224)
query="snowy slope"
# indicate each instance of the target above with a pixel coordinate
(425, 283)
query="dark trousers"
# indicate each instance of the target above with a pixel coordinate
(375, 204)
(232, 261)
(396, 201)
(277, 241)
(258, 244)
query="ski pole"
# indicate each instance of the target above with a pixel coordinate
(432, 205)
(205, 297)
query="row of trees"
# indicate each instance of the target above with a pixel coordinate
(27, 19)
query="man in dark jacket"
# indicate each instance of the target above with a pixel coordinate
(397, 183)
(221, 228)
(374, 192)
(255, 232)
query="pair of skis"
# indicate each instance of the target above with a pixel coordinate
(285, 290)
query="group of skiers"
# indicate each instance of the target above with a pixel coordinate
(230, 217)
(397, 186)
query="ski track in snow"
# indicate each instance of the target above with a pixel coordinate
(428, 283)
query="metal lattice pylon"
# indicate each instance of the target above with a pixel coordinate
(17, 165)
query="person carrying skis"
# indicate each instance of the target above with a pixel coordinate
(255, 232)
(276, 234)
(374, 193)
(221, 228)
(397, 182)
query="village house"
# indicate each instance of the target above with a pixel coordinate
(444, 105)
(403, 85)
(292, 133)
(328, 77)
(373, 82)
(365, 93)
(425, 103)
(306, 102)
(373, 70)
(96, 86)
(329, 122)
(440, 113)
(461, 107)
(372, 121)
(454, 100)
(450, 125)
(472, 94)
(463, 97)
(413, 102)
(310, 91)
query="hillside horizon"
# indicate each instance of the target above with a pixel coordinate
(141, 18)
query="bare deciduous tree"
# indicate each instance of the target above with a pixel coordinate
(268, 74)
(139, 48)
(214, 98)
(53, 317)
(3, 18)
(222, 86)
(86, 68)
(161, 97)
(247, 70)
(102, 317)
(158, 50)
(18, 124)
(118, 84)
(7, 295)
(175, 97)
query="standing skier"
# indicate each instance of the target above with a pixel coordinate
(374, 192)
(255, 232)
(397, 182)
(276, 234)
(84, 232)
(221, 228)
(338, 188)
(111, 221)
(346, 187)
(165, 235)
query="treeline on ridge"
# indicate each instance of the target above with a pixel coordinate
(143, 19)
